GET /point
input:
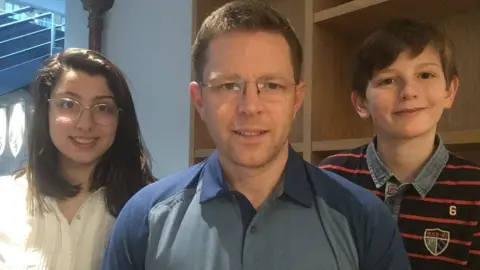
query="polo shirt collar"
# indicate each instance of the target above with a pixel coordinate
(295, 180)
(423, 182)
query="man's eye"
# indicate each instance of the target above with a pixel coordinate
(229, 86)
(273, 86)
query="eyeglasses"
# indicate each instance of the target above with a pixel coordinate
(272, 90)
(103, 114)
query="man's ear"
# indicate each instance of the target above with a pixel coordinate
(451, 92)
(360, 105)
(299, 95)
(196, 97)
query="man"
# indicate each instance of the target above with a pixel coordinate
(404, 79)
(253, 204)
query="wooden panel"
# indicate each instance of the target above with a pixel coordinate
(333, 116)
(359, 17)
(201, 138)
(308, 78)
(464, 30)
(319, 5)
(295, 12)
(470, 152)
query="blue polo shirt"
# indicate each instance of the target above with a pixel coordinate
(313, 220)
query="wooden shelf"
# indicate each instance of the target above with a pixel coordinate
(345, 9)
(359, 17)
(464, 137)
(338, 145)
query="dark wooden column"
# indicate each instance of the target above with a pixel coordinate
(96, 10)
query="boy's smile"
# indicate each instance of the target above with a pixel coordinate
(407, 99)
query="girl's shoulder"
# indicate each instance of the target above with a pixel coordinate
(13, 192)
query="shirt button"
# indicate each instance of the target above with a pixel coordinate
(391, 202)
(253, 229)
(79, 217)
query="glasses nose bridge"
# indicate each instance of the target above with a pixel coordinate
(244, 87)
(82, 107)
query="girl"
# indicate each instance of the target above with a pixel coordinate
(86, 159)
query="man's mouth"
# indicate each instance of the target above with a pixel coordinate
(250, 133)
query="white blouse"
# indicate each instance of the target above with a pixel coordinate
(48, 241)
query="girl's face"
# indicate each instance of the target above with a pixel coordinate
(82, 117)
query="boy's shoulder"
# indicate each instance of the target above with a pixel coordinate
(462, 169)
(348, 161)
(343, 195)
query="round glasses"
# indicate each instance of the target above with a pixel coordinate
(104, 114)
(272, 90)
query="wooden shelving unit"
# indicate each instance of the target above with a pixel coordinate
(330, 31)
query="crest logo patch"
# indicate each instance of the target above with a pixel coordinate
(436, 240)
(391, 189)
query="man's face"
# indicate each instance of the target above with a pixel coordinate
(249, 98)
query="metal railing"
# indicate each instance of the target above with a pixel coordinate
(16, 12)
(18, 30)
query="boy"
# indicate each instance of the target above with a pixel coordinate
(404, 78)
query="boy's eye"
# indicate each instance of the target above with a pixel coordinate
(386, 81)
(426, 75)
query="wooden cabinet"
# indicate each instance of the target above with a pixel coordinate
(330, 31)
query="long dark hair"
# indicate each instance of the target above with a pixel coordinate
(123, 170)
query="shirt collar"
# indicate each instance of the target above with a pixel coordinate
(295, 182)
(424, 181)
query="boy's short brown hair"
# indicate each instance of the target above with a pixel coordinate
(380, 49)
(244, 15)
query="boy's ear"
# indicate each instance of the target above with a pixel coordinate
(451, 92)
(360, 105)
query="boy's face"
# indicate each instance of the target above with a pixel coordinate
(407, 99)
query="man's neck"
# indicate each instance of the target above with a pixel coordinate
(406, 157)
(256, 184)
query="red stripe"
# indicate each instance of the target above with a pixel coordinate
(476, 252)
(340, 168)
(441, 258)
(459, 183)
(376, 192)
(476, 234)
(440, 220)
(349, 155)
(448, 201)
(455, 241)
(450, 166)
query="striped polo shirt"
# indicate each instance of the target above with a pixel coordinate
(438, 213)
(315, 219)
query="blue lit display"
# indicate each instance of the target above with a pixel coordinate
(15, 111)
